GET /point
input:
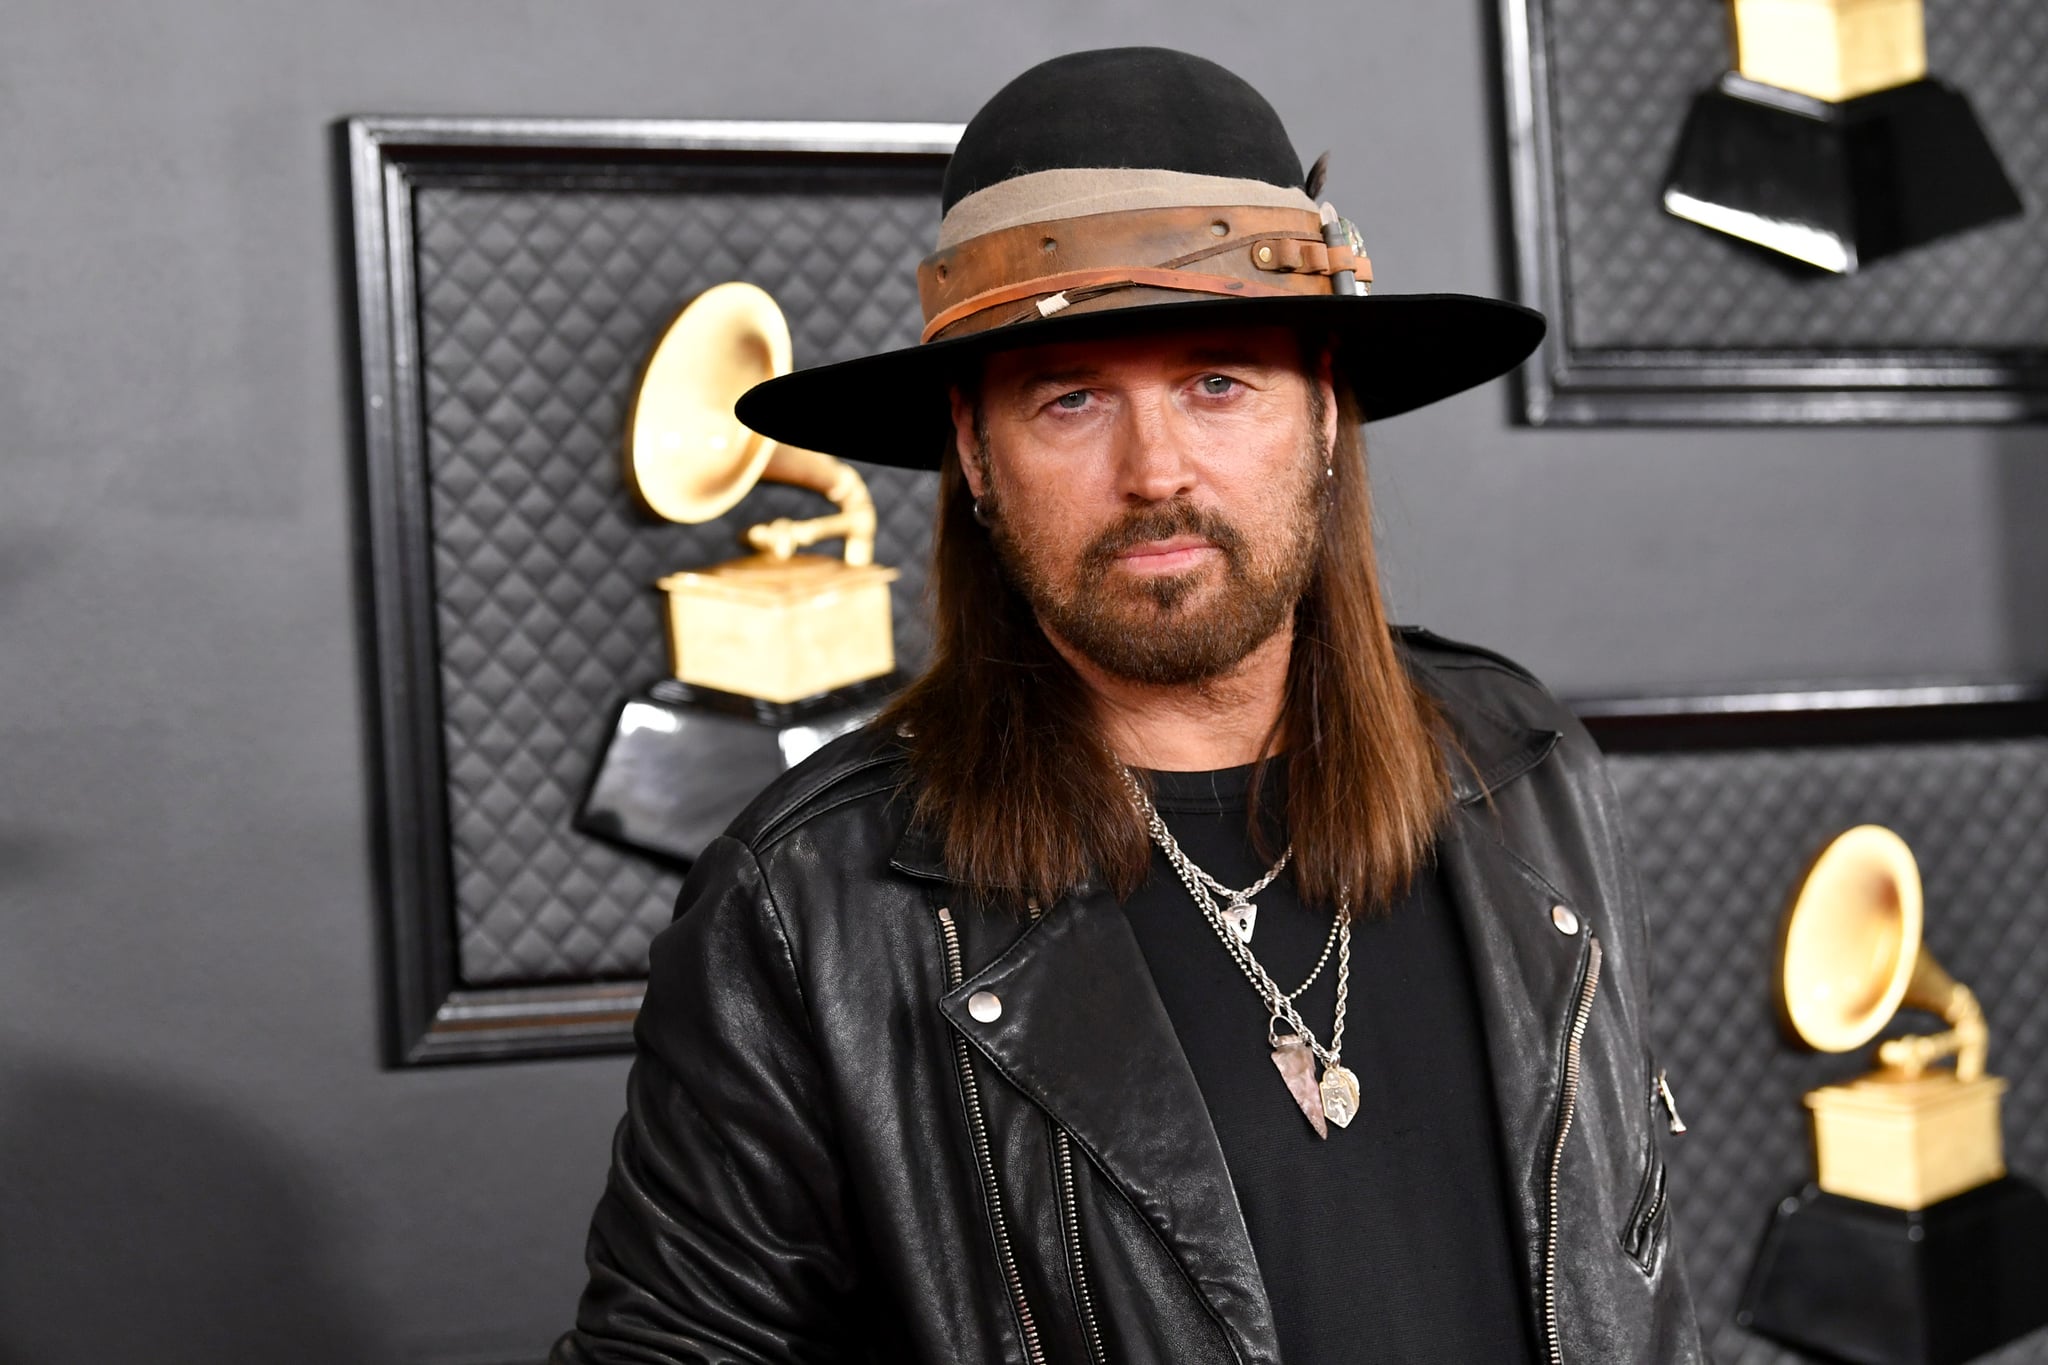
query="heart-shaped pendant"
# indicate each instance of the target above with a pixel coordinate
(1339, 1095)
(1242, 918)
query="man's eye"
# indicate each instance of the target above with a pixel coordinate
(1216, 385)
(1072, 402)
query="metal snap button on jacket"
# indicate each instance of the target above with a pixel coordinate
(985, 1007)
(1564, 919)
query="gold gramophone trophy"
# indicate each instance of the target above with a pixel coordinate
(1914, 1244)
(770, 654)
(1829, 143)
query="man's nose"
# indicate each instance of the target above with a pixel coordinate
(1152, 454)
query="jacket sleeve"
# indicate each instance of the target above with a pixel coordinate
(722, 1235)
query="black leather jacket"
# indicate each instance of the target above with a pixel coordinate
(827, 1157)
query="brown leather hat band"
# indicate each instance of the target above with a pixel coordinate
(1247, 252)
(1056, 293)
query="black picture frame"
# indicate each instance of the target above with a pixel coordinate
(1567, 384)
(431, 1016)
(1816, 717)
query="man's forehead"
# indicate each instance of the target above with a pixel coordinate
(1265, 346)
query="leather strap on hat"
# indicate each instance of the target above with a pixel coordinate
(1038, 269)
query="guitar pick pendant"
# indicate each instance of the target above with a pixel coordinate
(1339, 1094)
(1242, 918)
(1298, 1068)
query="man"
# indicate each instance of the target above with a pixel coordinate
(1187, 967)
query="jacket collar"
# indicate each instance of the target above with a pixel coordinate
(1083, 1034)
(1491, 751)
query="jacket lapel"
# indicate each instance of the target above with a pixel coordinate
(1527, 974)
(1084, 1035)
(1526, 971)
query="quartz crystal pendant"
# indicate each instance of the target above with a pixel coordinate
(1298, 1068)
(1339, 1095)
(1242, 917)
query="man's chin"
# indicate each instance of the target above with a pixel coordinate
(1158, 599)
(1161, 646)
(1161, 664)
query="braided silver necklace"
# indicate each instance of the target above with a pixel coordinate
(1295, 1047)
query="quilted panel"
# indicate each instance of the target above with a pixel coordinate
(1721, 840)
(1623, 73)
(538, 306)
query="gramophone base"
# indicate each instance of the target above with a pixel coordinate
(784, 629)
(1907, 1143)
(1836, 185)
(682, 761)
(1873, 1285)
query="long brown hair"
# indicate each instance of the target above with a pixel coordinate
(1013, 778)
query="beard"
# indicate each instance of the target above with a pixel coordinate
(1165, 629)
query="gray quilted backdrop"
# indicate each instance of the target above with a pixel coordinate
(538, 307)
(1720, 840)
(1622, 75)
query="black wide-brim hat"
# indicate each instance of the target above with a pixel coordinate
(1123, 191)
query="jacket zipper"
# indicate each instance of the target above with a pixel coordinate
(1070, 1216)
(1662, 1089)
(978, 1127)
(1581, 1016)
(1656, 1206)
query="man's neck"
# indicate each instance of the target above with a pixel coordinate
(1224, 722)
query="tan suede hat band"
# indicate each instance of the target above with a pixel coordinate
(1077, 192)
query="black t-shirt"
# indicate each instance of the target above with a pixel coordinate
(1389, 1242)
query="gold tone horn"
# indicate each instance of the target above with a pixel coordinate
(688, 459)
(1850, 957)
(777, 625)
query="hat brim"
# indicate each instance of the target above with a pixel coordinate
(1399, 352)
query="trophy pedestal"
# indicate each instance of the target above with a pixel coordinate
(682, 761)
(1836, 185)
(1861, 1282)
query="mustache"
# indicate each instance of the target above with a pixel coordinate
(1161, 521)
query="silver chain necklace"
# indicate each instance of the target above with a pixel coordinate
(1295, 1047)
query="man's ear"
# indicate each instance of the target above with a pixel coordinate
(966, 444)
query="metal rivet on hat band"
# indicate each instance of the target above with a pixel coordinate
(985, 1007)
(1564, 919)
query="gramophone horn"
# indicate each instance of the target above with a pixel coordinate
(687, 457)
(1851, 941)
